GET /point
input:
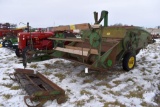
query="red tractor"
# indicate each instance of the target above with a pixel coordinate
(36, 41)
(8, 34)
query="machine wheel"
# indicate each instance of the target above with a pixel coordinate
(95, 40)
(18, 52)
(129, 61)
(7, 43)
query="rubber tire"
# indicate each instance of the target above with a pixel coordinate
(17, 52)
(126, 60)
(9, 43)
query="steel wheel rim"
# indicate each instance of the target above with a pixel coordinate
(131, 62)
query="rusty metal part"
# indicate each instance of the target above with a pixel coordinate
(38, 87)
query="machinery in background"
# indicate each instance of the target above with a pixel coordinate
(8, 34)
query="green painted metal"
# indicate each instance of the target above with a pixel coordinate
(104, 15)
(116, 39)
(59, 42)
(95, 39)
(14, 40)
(109, 63)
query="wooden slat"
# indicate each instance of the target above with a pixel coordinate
(61, 28)
(65, 39)
(92, 51)
(82, 26)
(73, 51)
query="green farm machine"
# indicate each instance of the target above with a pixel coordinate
(96, 46)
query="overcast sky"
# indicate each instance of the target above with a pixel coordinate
(47, 13)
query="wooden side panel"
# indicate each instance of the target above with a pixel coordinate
(73, 51)
(82, 26)
(61, 28)
(92, 51)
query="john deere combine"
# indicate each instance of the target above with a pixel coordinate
(96, 46)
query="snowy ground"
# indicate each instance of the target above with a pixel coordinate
(138, 88)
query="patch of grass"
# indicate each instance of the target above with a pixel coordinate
(113, 104)
(2, 105)
(156, 73)
(155, 57)
(157, 98)
(143, 69)
(68, 90)
(48, 66)
(104, 84)
(68, 72)
(144, 104)
(73, 81)
(4, 78)
(75, 64)
(100, 97)
(116, 93)
(81, 74)
(58, 62)
(33, 66)
(7, 85)
(47, 73)
(129, 79)
(108, 85)
(85, 92)
(60, 76)
(90, 98)
(139, 88)
(143, 58)
(154, 64)
(87, 81)
(137, 94)
(15, 87)
(150, 71)
(7, 96)
(6, 72)
(80, 103)
(117, 82)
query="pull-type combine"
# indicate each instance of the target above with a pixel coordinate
(98, 47)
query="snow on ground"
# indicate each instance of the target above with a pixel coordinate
(139, 87)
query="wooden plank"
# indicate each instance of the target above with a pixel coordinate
(61, 28)
(82, 26)
(92, 51)
(73, 51)
(65, 39)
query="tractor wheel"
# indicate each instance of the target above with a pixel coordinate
(7, 43)
(129, 61)
(18, 52)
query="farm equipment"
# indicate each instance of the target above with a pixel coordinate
(38, 87)
(99, 47)
(35, 41)
(8, 34)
